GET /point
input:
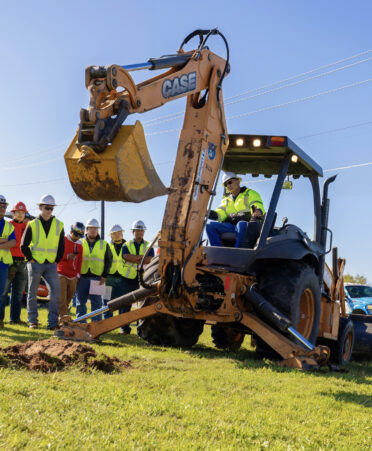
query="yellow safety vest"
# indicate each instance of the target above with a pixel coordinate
(95, 260)
(45, 247)
(243, 203)
(5, 254)
(130, 269)
(117, 260)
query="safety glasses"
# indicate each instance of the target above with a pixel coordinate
(79, 233)
(48, 208)
(229, 182)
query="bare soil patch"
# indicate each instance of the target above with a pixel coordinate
(55, 355)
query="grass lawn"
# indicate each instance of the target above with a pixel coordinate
(173, 399)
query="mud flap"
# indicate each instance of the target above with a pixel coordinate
(122, 172)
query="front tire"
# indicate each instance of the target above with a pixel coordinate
(167, 330)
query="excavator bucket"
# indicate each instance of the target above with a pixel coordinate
(123, 171)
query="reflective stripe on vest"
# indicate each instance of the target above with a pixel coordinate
(243, 203)
(95, 260)
(117, 260)
(45, 247)
(5, 254)
(130, 269)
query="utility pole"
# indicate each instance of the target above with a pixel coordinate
(102, 219)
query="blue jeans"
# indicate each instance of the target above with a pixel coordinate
(82, 295)
(49, 272)
(215, 229)
(118, 289)
(3, 279)
(16, 281)
(129, 285)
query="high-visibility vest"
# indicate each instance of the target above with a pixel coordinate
(45, 247)
(130, 269)
(95, 260)
(243, 203)
(117, 260)
(5, 254)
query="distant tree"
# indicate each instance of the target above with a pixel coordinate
(355, 279)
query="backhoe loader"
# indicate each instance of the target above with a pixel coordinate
(274, 291)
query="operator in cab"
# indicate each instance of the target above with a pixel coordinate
(241, 211)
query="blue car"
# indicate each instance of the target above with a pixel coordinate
(358, 298)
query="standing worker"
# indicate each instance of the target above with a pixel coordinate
(70, 266)
(133, 252)
(241, 211)
(7, 242)
(115, 278)
(43, 246)
(17, 272)
(97, 260)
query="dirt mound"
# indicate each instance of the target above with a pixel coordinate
(53, 355)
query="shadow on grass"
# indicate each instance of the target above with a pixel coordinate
(354, 398)
(244, 358)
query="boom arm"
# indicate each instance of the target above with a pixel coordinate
(203, 142)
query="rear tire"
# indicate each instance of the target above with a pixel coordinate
(293, 288)
(227, 338)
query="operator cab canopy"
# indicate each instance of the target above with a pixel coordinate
(262, 154)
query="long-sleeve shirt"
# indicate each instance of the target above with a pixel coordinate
(27, 238)
(71, 268)
(19, 228)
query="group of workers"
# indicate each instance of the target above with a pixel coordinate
(74, 264)
(68, 263)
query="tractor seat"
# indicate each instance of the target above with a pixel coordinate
(228, 236)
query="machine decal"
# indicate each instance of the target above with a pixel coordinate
(179, 85)
(211, 151)
(199, 173)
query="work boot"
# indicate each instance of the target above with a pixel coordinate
(125, 330)
(33, 325)
(1, 324)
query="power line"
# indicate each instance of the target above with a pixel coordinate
(40, 152)
(297, 82)
(35, 183)
(335, 130)
(302, 99)
(280, 105)
(252, 91)
(29, 165)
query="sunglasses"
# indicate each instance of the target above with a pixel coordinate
(3, 206)
(79, 233)
(48, 208)
(229, 182)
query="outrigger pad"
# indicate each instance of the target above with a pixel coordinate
(122, 172)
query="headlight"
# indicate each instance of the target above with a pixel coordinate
(369, 307)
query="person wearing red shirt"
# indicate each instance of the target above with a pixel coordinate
(17, 271)
(70, 265)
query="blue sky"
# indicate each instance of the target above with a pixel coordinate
(45, 47)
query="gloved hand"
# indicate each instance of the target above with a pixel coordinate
(213, 215)
(234, 218)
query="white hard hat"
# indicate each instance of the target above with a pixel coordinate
(228, 176)
(3, 200)
(47, 199)
(92, 222)
(116, 228)
(138, 225)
